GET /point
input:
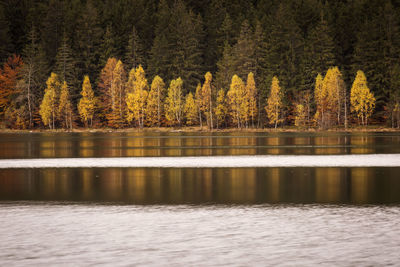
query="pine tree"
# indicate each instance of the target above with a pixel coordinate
(48, 109)
(88, 40)
(155, 100)
(86, 105)
(136, 98)
(319, 53)
(65, 111)
(174, 103)
(190, 110)
(134, 55)
(285, 49)
(221, 109)
(361, 99)
(243, 52)
(33, 77)
(108, 46)
(5, 44)
(274, 103)
(65, 65)
(225, 68)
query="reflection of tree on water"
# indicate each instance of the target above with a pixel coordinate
(219, 185)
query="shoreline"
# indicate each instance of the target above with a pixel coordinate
(205, 130)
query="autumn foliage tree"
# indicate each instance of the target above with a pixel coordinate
(9, 75)
(118, 108)
(190, 110)
(155, 100)
(274, 103)
(108, 96)
(48, 108)
(86, 104)
(221, 109)
(137, 91)
(65, 111)
(236, 96)
(362, 100)
(251, 98)
(174, 103)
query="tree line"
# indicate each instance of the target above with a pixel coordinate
(290, 40)
(128, 100)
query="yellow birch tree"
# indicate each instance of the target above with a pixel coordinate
(220, 109)
(274, 103)
(137, 88)
(190, 110)
(48, 108)
(65, 106)
(86, 103)
(362, 100)
(251, 95)
(154, 107)
(236, 96)
(173, 103)
(118, 105)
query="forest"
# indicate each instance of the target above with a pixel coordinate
(209, 63)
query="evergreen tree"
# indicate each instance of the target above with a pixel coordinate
(134, 55)
(285, 49)
(319, 53)
(33, 77)
(244, 52)
(65, 65)
(5, 44)
(88, 41)
(108, 46)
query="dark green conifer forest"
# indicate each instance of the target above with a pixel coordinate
(293, 40)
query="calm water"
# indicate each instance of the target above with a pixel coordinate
(198, 216)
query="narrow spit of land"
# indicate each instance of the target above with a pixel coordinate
(205, 129)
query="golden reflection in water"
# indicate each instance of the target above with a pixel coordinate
(360, 183)
(49, 182)
(86, 145)
(302, 142)
(328, 186)
(273, 141)
(360, 144)
(174, 145)
(134, 147)
(112, 184)
(274, 178)
(242, 184)
(47, 148)
(136, 184)
(327, 145)
(88, 180)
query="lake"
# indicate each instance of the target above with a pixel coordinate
(198, 216)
